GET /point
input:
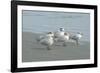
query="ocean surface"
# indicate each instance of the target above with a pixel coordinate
(45, 21)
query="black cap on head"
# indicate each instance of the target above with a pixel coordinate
(65, 33)
(61, 29)
(49, 32)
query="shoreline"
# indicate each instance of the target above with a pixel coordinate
(35, 52)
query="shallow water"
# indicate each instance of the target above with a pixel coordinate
(42, 21)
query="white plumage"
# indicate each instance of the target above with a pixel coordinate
(59, 33)
(59, 36)
(76, 37)
(47, 40)
(64, 38)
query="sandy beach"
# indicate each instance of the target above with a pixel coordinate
(32, 51)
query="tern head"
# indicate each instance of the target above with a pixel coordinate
(50, 34)
(65, 33)
(61, 29)
(80, 33)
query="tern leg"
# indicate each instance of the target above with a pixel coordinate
(77, 42)
(64, 44)
(48, 48)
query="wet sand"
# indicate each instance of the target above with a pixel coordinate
(32, 51)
